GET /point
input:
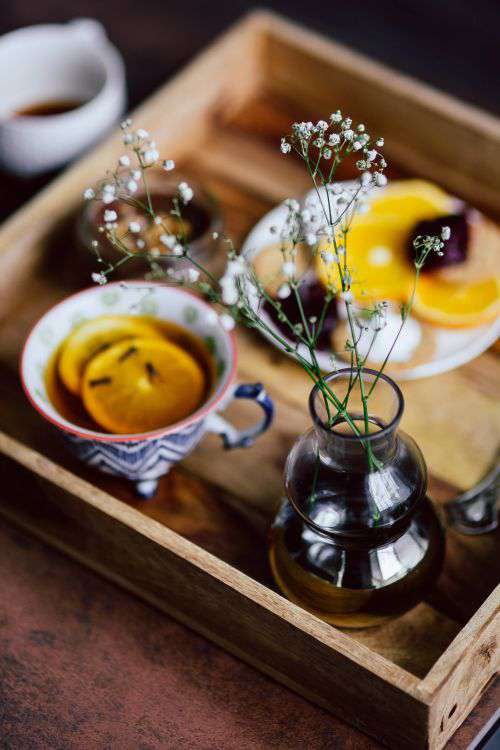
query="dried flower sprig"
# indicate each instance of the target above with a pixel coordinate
(322, 224)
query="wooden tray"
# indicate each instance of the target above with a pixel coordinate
(198, 551)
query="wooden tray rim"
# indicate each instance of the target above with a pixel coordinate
(425, 690)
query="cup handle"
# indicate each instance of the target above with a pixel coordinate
(231, 436)
(88, 29)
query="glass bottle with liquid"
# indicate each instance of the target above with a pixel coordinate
(356, 540)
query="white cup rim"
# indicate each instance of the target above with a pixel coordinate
(208, 406)
(108, 58)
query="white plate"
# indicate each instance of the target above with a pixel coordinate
(453, 347)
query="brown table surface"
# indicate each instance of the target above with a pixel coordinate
(84, 664)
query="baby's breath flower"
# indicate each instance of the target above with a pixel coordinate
(445, 233)
(347, 296)
(226, 321)
(168, 165)
(99, 278)
(158, 220)
(284, 291)
(178, 250)
(215, 235)
(126, 123)
(110, 216)
(360, 128)
(141, 134)
(285, 146)
(229, 291)
(124, 161)
(134, 227)
(357, 145)
(334, 139)
(327, 154)
(336, 116)
(136, 174)
(132, 186)
(150, 156)
(348, 134)
(288, 269)
(128, 138)
(185, 192)
(380, 179)
(140, 244)
(169, 240)
(371, 155)
(193, 275)
(88, 194)
(327, 257)
(311, 238)
(379, 142)
(346, 123)
(321, 125)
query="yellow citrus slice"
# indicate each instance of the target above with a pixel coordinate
(410, 201)
(94, 336)
(450, 304)
(377, 259)
(141, 384)
(377, 242)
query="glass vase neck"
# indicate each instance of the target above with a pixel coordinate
(356, 417)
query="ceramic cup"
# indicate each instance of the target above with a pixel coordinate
(57, 62)
(142, 458)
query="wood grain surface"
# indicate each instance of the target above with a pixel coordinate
(221, 511)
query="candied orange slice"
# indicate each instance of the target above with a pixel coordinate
(450, 304)
(410, 201)
(377, 241)
(94, 336)
(377, 259)
(141, 384)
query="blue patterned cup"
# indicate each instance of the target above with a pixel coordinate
(142, 458)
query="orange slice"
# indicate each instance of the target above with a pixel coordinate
(410, 201)
(377, 253)
(94, 336)
(138, 385)
(376, 257)
(457, 305)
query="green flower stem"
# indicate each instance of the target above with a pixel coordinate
(403, 321)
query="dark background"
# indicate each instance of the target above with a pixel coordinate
(84, 665)
(454, 45)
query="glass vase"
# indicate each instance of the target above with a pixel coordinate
(356, 540)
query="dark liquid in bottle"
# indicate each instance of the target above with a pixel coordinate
(47, 109)
(355, 588)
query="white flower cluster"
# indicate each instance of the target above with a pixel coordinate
(335, 139)
(426, 244)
